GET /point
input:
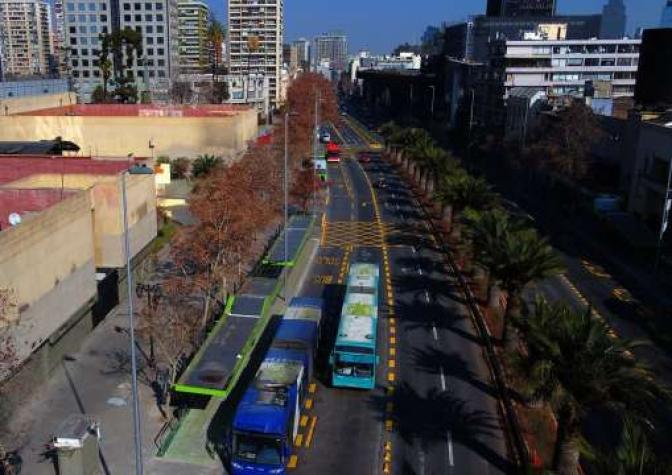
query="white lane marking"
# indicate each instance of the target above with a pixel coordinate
(443, 379)
(451, 458)
(420, 270)
(413, 249)
(427, 296)
(435, 333)
(421, 461)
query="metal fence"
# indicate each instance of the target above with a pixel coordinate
(36, 87)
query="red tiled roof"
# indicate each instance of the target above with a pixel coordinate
(141, 110)
(14, 167)
(27, 201)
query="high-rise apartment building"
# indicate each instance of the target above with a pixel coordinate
(25, 37)
(302, 47)
(666, 17)
(613, 20)
(511, 8)
(255, 40)
(156, 20)
(194, 52)
(332, 47)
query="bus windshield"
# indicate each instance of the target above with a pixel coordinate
(358, 370)
(257, 449)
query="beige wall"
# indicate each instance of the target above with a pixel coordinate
(106, 197)
(48, 262)
(16, 105)
(119, 136)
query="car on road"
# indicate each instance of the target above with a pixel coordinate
(364, 157)
(325, 137)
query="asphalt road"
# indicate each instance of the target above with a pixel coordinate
(444, 405)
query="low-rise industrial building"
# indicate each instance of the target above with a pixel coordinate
(139, 129)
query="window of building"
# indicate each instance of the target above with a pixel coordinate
(81, 18)
(161, 62)
(558, 63)
(592, 62)
(575, 62)
(149, 29)
(159, 17)
(86, 74)
(624, 61)
(103, 18)
(95, 63)
(150, 51)
(73, 41)
(72, 29)
(72, 18)
(149, 62)
(85, 62)
(84, 40)
(103, 7)
(70, 7)
(151, 74)
(141, 73)
(159, 28)
(148, 17)
(138, 28)
(82, 29)
(92, 7)
(159, 40)
(127, 18)
(149, 40)
(137, 6)
(75, 63)
(104, 29)
(93, 29)
(148, 6)
(160, 52)
(127, 7)
(73, 51)
(96, 73)
(85, 52)
(162, 73)
(81, 7)
(92, 18)
(138, 17)
(159, 6)
(607, 62)
(75, 74)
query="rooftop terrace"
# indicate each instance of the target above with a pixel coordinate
(141, 110)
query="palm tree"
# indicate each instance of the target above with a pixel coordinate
(575, 364)
(458, 191)
(515, 259)
(204, 164)
(215, 35)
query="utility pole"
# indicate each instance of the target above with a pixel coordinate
(284, 273)
(665, 218)
(315, 141)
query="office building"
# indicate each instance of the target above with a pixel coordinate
(666, 17)
(302, 47)
(255, 41)
(156, 20)
(613, 20)
(473, 38)
(520, 8)
(25, 37)
(604, 68)
(194, 49)
(331, 47)
(654, 77)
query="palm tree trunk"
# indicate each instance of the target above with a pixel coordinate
(512, 308)
(566, 451)
(447, 216)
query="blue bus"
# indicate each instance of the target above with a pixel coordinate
(353, 359)
(300, 329)
(266, 420)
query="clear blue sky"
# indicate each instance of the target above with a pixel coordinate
(380, 25)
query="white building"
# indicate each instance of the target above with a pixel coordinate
(250, 89)
(193, 16)
(255, 40)
(25, 37)
(364, 61)
(331, 47)
(85, 20)
(562, 67)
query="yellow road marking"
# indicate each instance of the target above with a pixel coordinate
(312, 388)
(304, 421)
(293, 461)
(389, 424)
(393, 351)
(298, 440)
(393, 340)
(311, 432)
(391, 363)
(387, 468)
(389, 407)
(390, 390)
(309, 403)
(393, 330)
(388, 446)
(391, 377)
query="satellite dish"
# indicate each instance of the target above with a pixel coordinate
(14, 219)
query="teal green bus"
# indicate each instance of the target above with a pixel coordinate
(354, 356)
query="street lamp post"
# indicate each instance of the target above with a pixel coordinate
(433, 88)
(134, 170)
(665, 218)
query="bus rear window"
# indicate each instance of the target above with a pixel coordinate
(353, 349)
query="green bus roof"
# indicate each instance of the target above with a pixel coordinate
(358, 320)
(364, 275)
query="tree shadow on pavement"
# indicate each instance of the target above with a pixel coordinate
(432, 360)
